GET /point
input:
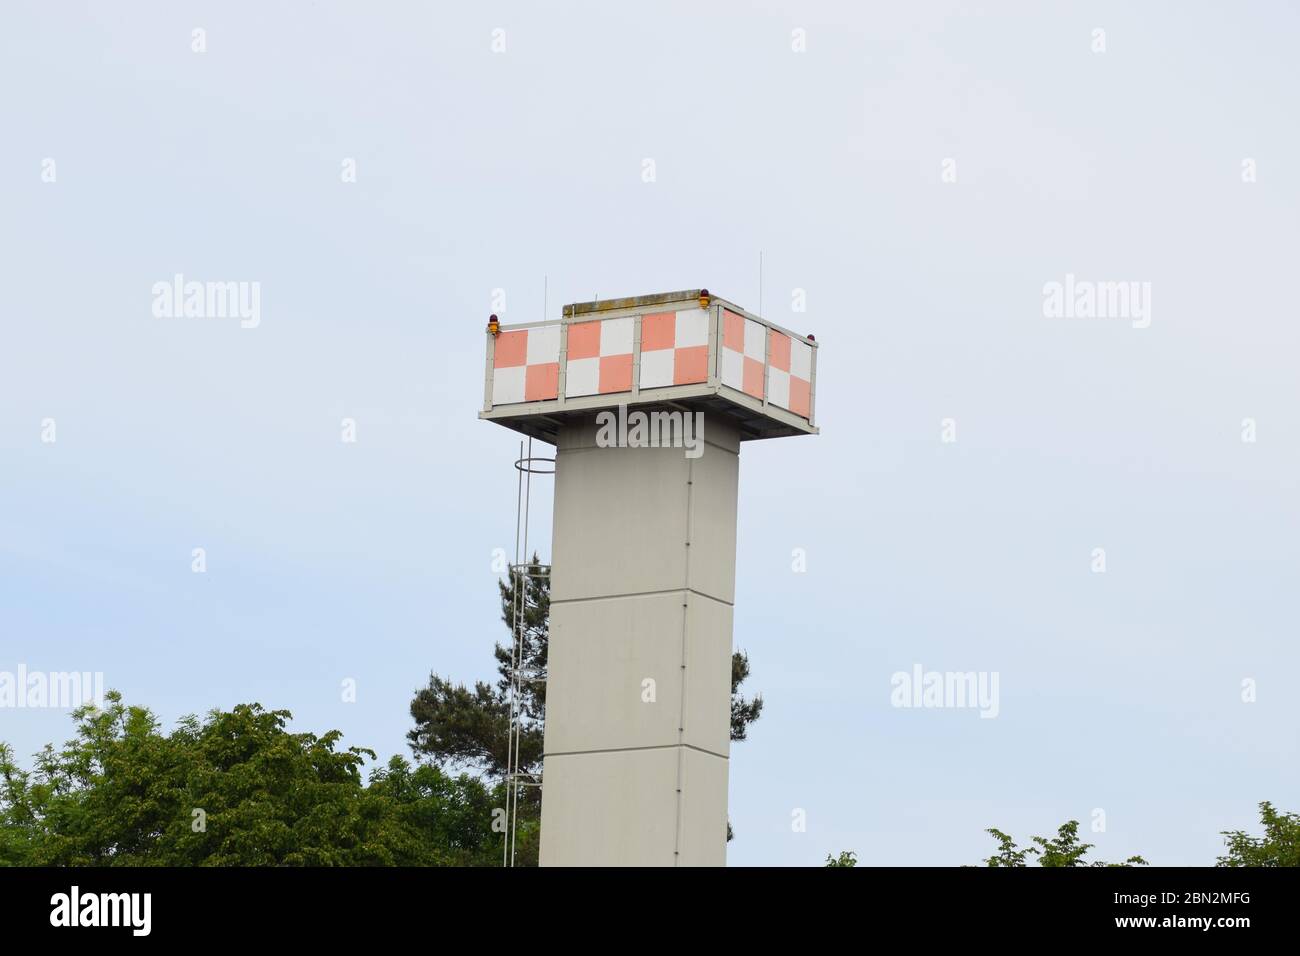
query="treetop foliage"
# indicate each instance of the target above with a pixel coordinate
(233, 789)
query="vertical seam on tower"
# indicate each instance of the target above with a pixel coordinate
(681, 712)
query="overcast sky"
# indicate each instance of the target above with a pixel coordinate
(824, 135)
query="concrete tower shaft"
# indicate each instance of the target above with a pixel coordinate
(638, 698)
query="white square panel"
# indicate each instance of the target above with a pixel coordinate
(616, 336)
(508, 385)
(692, 328)
(657, 368)
(778, 387)
(582, 377)
(801, 360)
(543, 344)
(733, 368)
(755, 340)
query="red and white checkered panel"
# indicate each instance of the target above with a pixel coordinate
(526, 365)
(742, 353)
(674, 348)
(599, 357)
(789, 373)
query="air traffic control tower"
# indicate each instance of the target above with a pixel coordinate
(643, 569)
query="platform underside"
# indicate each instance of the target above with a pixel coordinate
(752, 419)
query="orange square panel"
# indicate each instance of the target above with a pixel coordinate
(658, 331)
(800, 396)
(691, 365)
(584, 340)
(541, 381)
(753, 382)
(733, 331)
(511, 349)
(778, 350)
(616, 373)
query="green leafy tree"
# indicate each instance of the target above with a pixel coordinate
(1008, 854)
(468, 728)
(1279, 846)
(234, 789)
(846, 858)
(1064, 849)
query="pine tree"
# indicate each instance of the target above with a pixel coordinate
(469, 729)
